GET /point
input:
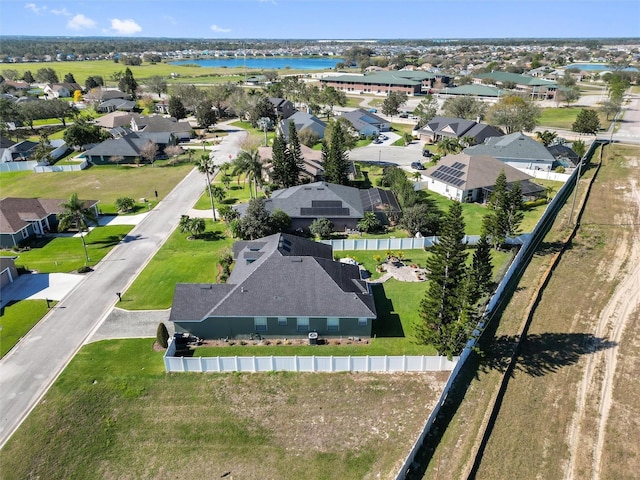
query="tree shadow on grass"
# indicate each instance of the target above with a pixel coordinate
(110, 241)
(211, 236)
(541, 354)
(549, 248)
(388, 323)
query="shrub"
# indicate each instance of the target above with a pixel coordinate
(125, 204)
(560, 169)
(162, 335)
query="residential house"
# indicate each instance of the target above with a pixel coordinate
(181, 130)
(284, 108)
(534, 87)
(440, 127)
(564, 156)
(367, 124)
(17, 152)
(60, 90)
(303, 121)
(128, 147)
(344, 206)
(281, 286)
(471, 178)
(99, 95)
(25, 218)
(516, 150)
(116, 104)
(8, 271)
(114, 120)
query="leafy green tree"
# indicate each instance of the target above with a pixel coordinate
(47, 75)
(125, 204)
(205, 114)
(162, 335)
(27, 76)
(262, 108)
(189, 97)
(586, 122)
(128, 84)
(321, 228)
(426, 110)
(69, 78)
(481, 273)
(227, 213)
(420, 218)
(197, 227)
(156, 84)
(610, 108)
(279, 160)
(441, 323)
(394, 101)
(308, 137)
(93, 81)
(505, 211)
(83, 133)
(256, 222)
(42, 152)
(464, 107)
(207, 166)
(74, 213)
(579, 147)
(176, 108)
(335, 157)
(280, 221)
(515, 114)
(369, 223)
(568, 95)
(331, 97)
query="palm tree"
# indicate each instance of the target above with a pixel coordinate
(250, 163)
(546, 137)
(197, 227)
(74, 213)
(208, 167)
(448, 145)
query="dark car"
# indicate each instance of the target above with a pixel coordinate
(427, 153)
(417, 166)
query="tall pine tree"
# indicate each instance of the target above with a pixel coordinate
(296, 160)
(336, 160)
(444, 322)
(279, 154)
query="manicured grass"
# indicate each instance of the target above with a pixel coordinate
(178, 261)
(65, 254)
(17, 319)
(105, 183)
(237, 193)
(563, 118)
(115, 413)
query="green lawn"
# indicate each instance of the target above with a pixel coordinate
(178, 261)
(115, 413)
(563, 118)
(237, 193)
(65, 254)
(105, 183)
(17, 319)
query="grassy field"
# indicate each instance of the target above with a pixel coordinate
(542, 397)
(65, 254)
(17, 319)
(114, 413)
(105, 183)
(563, 118)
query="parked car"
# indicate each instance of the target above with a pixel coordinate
(373, 110)
(382, 137)
(417, 166)
(426, 153)
(403, 115)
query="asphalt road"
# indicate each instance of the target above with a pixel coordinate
(28, 370)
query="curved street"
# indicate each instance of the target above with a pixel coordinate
(28, 370)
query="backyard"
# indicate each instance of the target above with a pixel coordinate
(115, 413)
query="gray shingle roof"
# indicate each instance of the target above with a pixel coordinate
(16, 213)
(515, 146)
(295, 201)
(286, 280)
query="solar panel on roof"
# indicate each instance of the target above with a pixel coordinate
(324, 212)
(458, 165)
(326, 203)
(458, 174)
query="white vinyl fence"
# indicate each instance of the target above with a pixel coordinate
(61, 168)
(18, 166)
(394, 244)
(314, 363)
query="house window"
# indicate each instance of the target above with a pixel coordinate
(260, 324)
(282, 321)
(363, 322)
(333, 324)
(303, 324)
(25, 234)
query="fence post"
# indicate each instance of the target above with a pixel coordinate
(368, 364)
(236, 363)
(272, 367)
(386, 363)
(350, 364)
(201, 365)
(313, 363)
(218, 363)
(404, 363)
(184, 364)
(295, 362)
(255, 364)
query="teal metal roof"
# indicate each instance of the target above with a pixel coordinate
(517, 79)
(476, 90)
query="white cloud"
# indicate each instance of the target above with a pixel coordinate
(35, 8)
(125, 27)
(218, 29)
(62, 11)
(80, 22)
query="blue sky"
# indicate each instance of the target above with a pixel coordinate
(322, 19)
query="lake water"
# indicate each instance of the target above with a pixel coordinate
(267, 63)
(596, 67)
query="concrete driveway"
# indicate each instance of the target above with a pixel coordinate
(40, 286)
(402, 156)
